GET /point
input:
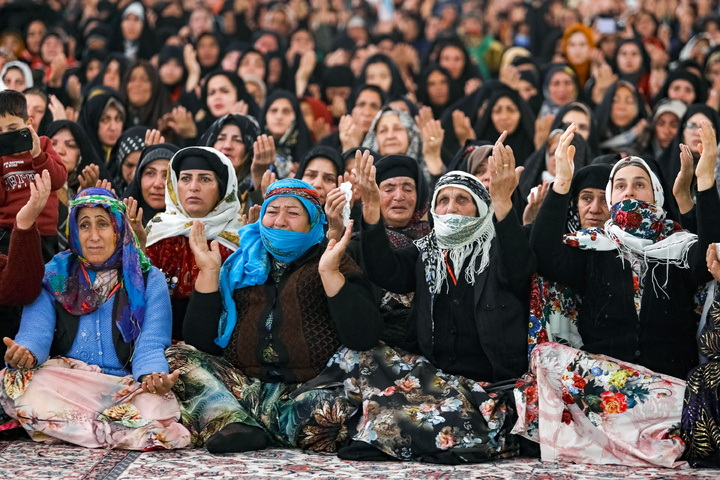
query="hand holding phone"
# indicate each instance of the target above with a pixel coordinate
(18, 141)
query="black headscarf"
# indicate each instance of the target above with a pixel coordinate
(634, 77)
(294, 144)
(412, 109)
(146, 44)
(531, 76)
(337, 76)
(457, 87)
(393, 166)
(249, 130)
(255, 52)
(521, 140)
(590, 176)
(97, 82)
(699, 85)
(397, 87)
(159, 103)
(130, 141)
(669, 161)
(88, 156)
(607, 130)
(322, 151)
(422, 92)
(169, 53)
(287, 79)
(242, 94)
(91, 112)
(162, 151)
(593, 140)
(92, 55)
(205, 69)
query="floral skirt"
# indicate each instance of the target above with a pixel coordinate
(588, 408)
(212, 393)
(411, 410)
(69, 400)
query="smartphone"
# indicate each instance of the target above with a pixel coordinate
(15, 142)
(606, 26)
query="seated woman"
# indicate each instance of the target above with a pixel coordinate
(283, 305)
(103, 118)
(636, 279)
(106, 312)
(201, 185)
(470, 276)
(148, 184)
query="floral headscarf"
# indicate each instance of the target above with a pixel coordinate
(414, 149)
(67, 280)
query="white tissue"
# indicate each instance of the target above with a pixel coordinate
(346, 188)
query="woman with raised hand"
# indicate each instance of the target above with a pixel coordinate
(276, 311)
(88, 364)
(636, 278)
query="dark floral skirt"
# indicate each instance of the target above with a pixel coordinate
(412, 411)
(212, 393)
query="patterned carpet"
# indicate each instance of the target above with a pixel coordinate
(25, 460)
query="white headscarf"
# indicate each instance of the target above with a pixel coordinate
(455, 238)
(24, 68)
(221, 224)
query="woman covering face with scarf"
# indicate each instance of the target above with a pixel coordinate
(102, 288)
(470, 276)
(283, 305)
(636, 277)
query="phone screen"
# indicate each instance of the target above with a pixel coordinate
(606, 25)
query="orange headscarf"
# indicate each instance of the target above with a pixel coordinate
(583, 69)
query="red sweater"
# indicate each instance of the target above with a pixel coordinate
(17, 172)
(22, 270)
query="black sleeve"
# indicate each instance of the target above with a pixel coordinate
(708, 228)
(391, 269)
(356, 315)
(200, 328)
(689, 220)
(556, 261)
(518, 257)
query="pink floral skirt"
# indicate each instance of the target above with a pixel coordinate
(69, 400)
(587, 408)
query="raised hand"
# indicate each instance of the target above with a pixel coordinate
(683, 181)
(252, 216)
(329, 266)
(268, 179)
(263, 158)
(463, 129)
(39, 194)
(206, 258)
(510, 76)
(713, 263)
(153, 137)
(338, 107)
(537, 196)
(134, 215)
(17, 356)
(564, 161)
(89, 176)
(57, 109)
(503, 177)
(432, 137)
(240, 108)
(365, 179)
(160, 383)
(542, 129)
(472, 85)
(351, 136)
(181, 121)
(106, 184)
(705, 171)
(36, 148)
(424, 116)
(334, 204)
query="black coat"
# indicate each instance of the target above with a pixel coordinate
(662, 338)
(500, 302)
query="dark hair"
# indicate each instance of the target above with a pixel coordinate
(13, 103)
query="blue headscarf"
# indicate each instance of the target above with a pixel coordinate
(250, 264)
(66, 276)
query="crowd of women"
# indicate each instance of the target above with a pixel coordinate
(448, 231)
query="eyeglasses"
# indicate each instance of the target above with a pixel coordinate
(692, 126)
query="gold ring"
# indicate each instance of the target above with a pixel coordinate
(432, 139)
(132, 219)
(505, 164)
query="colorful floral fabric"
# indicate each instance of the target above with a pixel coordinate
(410, 409)
(553, 314)
(69, 400)
(213, 393)
(588, 408)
